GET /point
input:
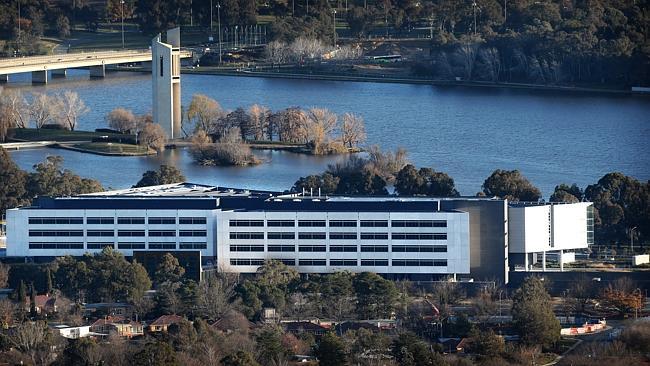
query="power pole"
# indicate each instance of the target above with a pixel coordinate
(219, 18)
(334, 26)
(474, 6)
(122, 11)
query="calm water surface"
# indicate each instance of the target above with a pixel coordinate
(551, 137)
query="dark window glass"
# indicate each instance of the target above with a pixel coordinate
(167, 233)
(245, 235)
(280, 223)
(343, 223)
(312, 262)
(374, 248)
(192, 220)
(239, 223)
(343, 248)
(343, 262)
(347, 236)
(282, 248)
(99, 245)
(281, 235)
(100, 221)
(162, 221)
(311, 248)
(130, 220)
(374, 262)
(374, 236)
(100, 233)
(130, 233)
(311, 236)
(374, 223)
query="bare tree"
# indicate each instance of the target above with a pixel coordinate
(318, 128)
(490, 63)
(290, 125)
(70, 107)
(386, 164)
(30, 338)
(122, 120)
(7, 313)
(41, 110)
(204, 113)
(4, 275)
(276, 52)
(215, 293)
(153, 136)
(353, 130)
(259, 120)
(466, 57)
(14, 109)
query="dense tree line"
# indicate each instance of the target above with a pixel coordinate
(19, 187)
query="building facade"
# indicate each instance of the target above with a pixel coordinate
(236, 230)
(166, 82)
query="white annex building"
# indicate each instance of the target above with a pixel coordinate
(166, 82)
(236, 230)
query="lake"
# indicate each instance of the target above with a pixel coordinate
(551, 137)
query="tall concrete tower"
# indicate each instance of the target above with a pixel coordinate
(166, 82)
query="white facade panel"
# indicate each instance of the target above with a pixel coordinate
(570, 226)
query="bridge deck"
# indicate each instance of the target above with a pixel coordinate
(75, 60)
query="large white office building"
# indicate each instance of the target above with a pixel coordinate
(236, 230)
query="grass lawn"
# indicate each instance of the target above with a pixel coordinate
(33, 134)
(113, 148)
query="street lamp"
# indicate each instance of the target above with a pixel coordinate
(122, 11)
(632, 239)
(334, 26)
(219, 18)
(210, 18)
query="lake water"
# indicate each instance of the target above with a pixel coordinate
(551, 137)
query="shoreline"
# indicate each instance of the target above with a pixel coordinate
(208, 70)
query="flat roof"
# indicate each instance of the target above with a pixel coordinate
(190, 196)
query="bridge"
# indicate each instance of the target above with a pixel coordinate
(58, 64)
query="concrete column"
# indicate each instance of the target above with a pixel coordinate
(98, 71)
(544, 261)
(59, 73)
(561, 262)
(4, 78)
(39, 77)
(526, 262)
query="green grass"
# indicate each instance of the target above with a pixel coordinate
(113, 148)
(33, 134)
(112, 40)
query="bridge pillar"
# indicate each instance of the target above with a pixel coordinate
(59, 73)
(4, 78)
(98, 71)
(39, 77)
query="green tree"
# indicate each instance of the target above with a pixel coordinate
(12, 189)
(426, 181)
(338, 294)
(487, 344)
(269, 342)
(409, 350)
(169, 270)
(72, 276)
(159, 15)
(565, 193)
(21, 294)
(32, 300)
(620, 203)
(376, 296)
(155, 354)
(50, 179)
(48, 281)
(239, 358)
(164, 175)
(331, 351)
(532, 314)
(326, 182)
(249, 294)
(511, 185)
(114, 278)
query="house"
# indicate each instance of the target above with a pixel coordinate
(72, 332)
(233, 321)
(44, 304)
(453, 345)
(297, 328)
(108, 308)
(162, 323)
(122, 327)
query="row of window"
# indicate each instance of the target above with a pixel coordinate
(80, 245)
(124, 233)
(346, 262)
(341, 248)
(339, 223)
(338, 236)
(120, 220)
